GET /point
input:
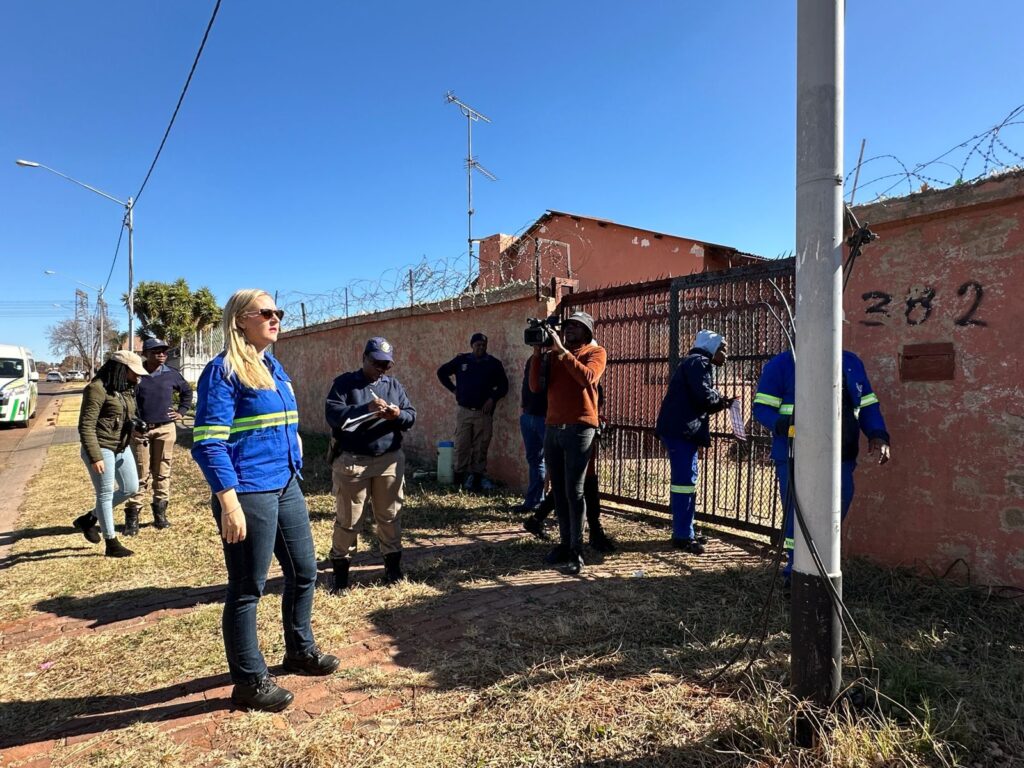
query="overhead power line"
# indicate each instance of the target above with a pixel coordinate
(181, 98)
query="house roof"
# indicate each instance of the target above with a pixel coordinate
(551, 213)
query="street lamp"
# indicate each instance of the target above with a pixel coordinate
(99, 307)
(129, 220)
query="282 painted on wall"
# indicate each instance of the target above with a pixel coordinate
(921, 302)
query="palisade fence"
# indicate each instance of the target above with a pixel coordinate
(646, 329)
(194, 353)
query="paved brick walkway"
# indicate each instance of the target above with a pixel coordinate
(193, 711)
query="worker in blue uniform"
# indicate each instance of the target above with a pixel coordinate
(774, 404)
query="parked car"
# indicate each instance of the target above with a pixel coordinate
(18, 390)
(55, 376)
(75, 376)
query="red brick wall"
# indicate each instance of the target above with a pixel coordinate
(424, 339)
(601, 253)
(955, 487)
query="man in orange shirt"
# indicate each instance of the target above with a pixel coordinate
(573, 368)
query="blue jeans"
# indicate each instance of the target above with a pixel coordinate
(682, 456)
(533, 428)
(118, 468)
(567, 453)
(276, 523)
(846, 469)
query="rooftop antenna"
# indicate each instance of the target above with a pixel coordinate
(472, 116)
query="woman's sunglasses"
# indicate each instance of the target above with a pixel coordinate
(266, 314)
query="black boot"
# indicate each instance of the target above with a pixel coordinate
(131, 521)
(314, 662)
(88, 525)
(160, 515)
(535, 525)
(116, 549)
(599, 541)
(265, 695)
(560, 554)
(574, 564)
(340, 575)
(393, 568)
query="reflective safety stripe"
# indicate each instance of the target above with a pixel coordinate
(764, 399)
(786, 410)
(867, 400)
(787, 544)
(683, 488)
(212, 432)
(276, 419)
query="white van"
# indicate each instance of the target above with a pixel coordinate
(19, 389)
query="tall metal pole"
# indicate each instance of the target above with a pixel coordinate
(816, 631)
(469, 193)
(131, 274)
(100, 312)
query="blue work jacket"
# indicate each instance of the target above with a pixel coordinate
(246, 439)
(776, 398)
(691, 398)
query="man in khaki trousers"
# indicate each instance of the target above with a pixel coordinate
(153, 450)
(368, 411)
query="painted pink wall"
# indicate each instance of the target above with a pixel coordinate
(955, 486)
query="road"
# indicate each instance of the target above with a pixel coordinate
(22, 452)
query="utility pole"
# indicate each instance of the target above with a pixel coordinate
(816, 631)
(472, 116)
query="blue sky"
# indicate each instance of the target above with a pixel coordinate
(315, 147)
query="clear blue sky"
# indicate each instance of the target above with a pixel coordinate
(314, 146)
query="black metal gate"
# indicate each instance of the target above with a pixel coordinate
(647, 328)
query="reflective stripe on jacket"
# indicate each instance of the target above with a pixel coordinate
(776, 397)
(246, 439)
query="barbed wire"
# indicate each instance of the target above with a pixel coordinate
(981, 156)
(447, 284)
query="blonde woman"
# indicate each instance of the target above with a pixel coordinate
(246, 442)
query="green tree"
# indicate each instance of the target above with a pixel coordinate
(172, 311)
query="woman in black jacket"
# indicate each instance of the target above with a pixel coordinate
(683, 428)
(105, 426)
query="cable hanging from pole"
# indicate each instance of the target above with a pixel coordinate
(181, 98)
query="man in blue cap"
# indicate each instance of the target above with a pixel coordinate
(154, 395)
(368, 411)
(480, 382)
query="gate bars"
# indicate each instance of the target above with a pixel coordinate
(646, 329)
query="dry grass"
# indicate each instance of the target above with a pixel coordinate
(601, 672)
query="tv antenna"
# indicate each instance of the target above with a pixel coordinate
(472, 116)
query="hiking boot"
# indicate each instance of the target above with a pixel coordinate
(89, 526)
(131, 521)
(265, 695)
(688, 545)
(575, 564)
(116, 549)
(315, 663)
(470, 483)
(393, 568)
(560, 554)
(536, 527)
(599, 542)
(486, 484)
(340, 575)
(160, 515)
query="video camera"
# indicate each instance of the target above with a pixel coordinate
(538, 331)
(139, 426)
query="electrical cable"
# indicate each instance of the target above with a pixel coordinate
(117, 249)
(181, 98)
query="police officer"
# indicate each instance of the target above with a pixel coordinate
(154, 448)
(774, 404)
(480, 382)
(368, 411)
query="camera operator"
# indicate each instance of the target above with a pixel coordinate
(574, 367)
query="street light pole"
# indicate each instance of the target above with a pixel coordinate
(129, 221)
